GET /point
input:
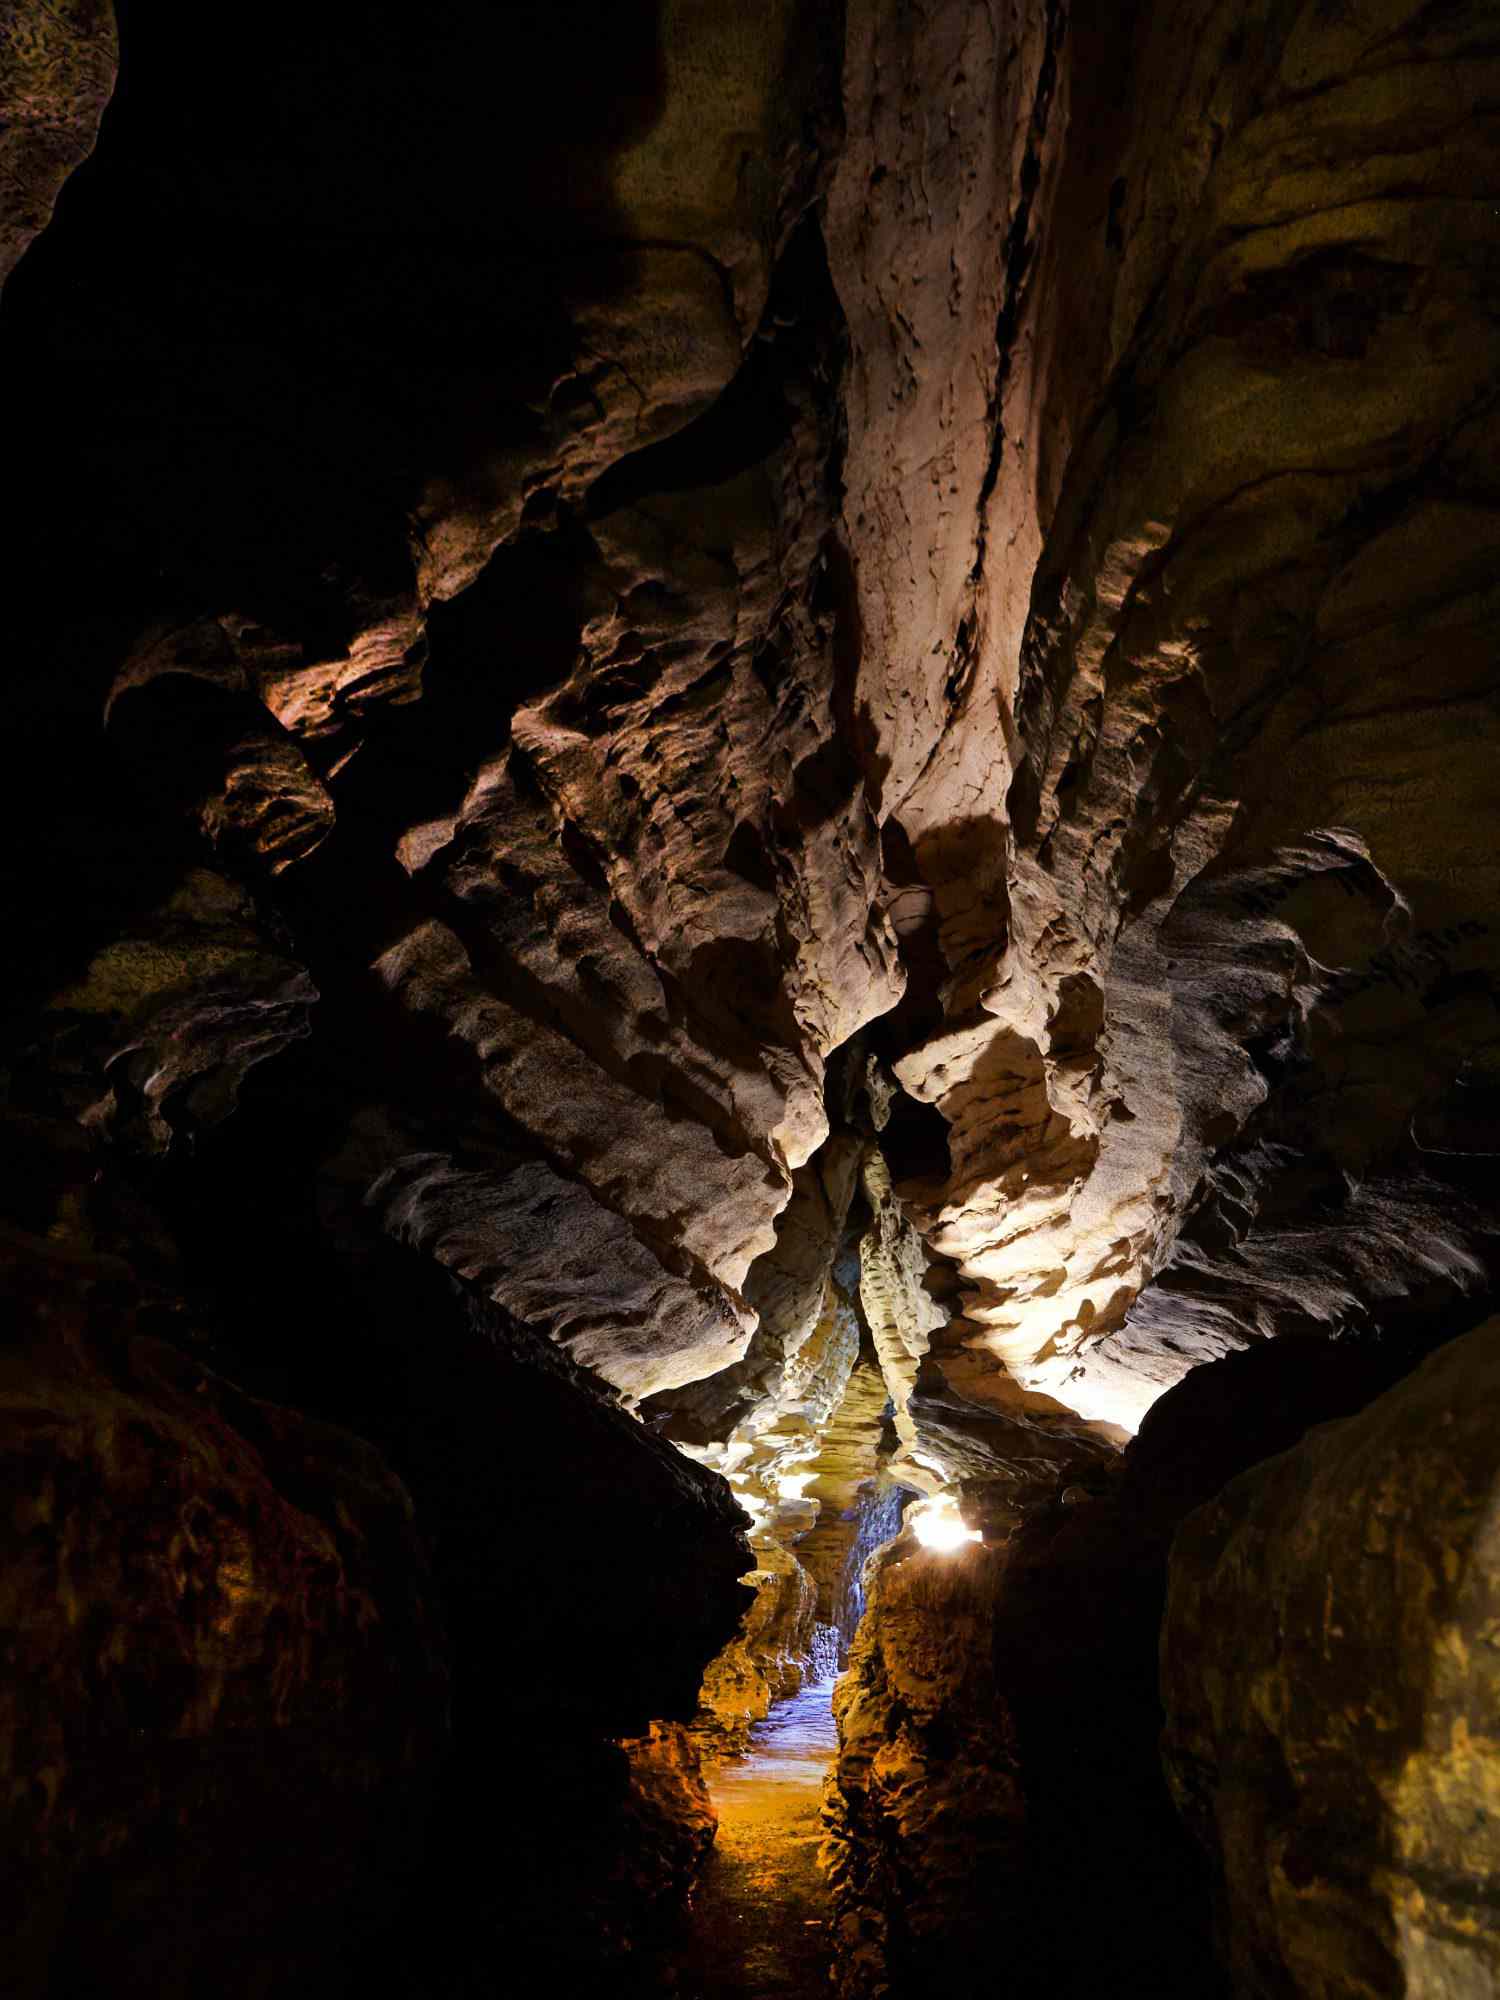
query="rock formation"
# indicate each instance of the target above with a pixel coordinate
(57, 69)
(925, 1809)
(752, 771)
(1329, 1669)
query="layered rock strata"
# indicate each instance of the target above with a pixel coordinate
(794, 1427)
(1204, 928)
(530, 630)
(924, 1811)
(813, 1427)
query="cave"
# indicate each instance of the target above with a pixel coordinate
(751, 1083)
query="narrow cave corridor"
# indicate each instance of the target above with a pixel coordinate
(750, 1077)
(761, 1920)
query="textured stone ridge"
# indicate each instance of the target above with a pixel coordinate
(669, 1823)
(1331, 1681)
(924, 1809)
(1194, 886)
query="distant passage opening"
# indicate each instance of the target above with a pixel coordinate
(915, 1141)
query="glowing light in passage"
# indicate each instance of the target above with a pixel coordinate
(792, 1485)
(937, 1524)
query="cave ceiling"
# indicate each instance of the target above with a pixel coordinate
(851, 626)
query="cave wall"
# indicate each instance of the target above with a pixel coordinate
(226, 1690)
(1199, 933)
(267, 1676)
(1208, 930)
(925, 1812)
(961, 537)
(1329, 1674)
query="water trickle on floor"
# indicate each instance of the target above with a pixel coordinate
(760, 1926)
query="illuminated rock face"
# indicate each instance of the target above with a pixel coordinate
(960, 578)
(1147, 583)
(583, 576)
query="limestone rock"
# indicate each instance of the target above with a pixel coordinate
(898, 1308)
(605, 1297)
(168, 1018)
(219, 758)
(1329, 1677)
(224, 1650)
(924, 1808)
(665, 559)
(1068, 1648)
(672, 1818)
(768, 1657)
(1197, 924)
(57, 69)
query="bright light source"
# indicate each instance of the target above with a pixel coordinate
(937, 1524)
(792, 1485)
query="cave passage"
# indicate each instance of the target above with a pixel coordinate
(760, 1926)
(751, 882)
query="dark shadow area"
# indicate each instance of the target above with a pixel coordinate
(915, 1140)
(752, 418)
(321, 256)
(1114, 1885)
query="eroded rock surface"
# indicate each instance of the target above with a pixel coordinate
(924, 1808)
(1330, 1682)
(57, 69)
(1205, 930)
(727, 716)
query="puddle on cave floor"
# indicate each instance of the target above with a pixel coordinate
(760, 1927)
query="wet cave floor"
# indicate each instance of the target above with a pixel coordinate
(760, 1926)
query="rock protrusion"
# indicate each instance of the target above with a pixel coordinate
(1332, 1682)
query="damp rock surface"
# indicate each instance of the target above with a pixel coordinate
(760, 1924)
(925, 1811)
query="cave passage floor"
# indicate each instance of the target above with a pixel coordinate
(760, 1927)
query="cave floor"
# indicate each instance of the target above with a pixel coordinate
(760, 1927)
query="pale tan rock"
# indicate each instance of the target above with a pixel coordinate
(668, 1176)
(1182, 634)
(898, 1309)
(557, 1260)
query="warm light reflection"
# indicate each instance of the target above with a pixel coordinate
(792, 1485)
(937, 1524)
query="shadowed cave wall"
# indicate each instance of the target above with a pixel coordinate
(750, 766)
